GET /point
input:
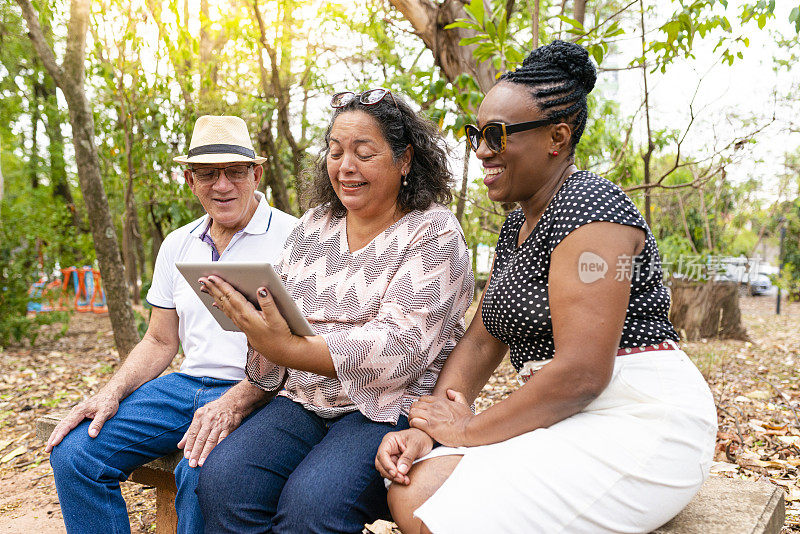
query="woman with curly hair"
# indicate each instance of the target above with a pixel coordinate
(613, 429)
(380, 268)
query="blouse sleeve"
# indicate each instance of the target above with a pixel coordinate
(259, 370)
(263, 373)
(592, 199)
(419, 313)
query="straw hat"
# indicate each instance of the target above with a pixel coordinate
(220, 139)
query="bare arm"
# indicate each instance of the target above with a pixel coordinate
(587, 325)
(147, 360)
(472, 361)
(467, 369)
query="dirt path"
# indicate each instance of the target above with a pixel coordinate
(755, 384)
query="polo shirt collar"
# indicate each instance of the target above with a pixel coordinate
(259, 223)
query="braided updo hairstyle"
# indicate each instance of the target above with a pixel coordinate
(560, 76)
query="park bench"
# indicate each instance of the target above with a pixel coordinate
(157, 474)
(723, 505)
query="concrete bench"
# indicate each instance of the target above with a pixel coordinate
(723, 505)
(731, 506)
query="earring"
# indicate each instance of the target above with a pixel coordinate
(554, 153)
(405, 181)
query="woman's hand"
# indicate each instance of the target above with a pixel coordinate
(265, 329)
(397, 452)
(444, 420)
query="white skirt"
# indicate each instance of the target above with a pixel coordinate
(629, 462)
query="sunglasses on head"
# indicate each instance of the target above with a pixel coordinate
(495, 133)
(369, 97)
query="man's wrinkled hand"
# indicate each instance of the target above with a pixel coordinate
(210, 425)
(99, 407)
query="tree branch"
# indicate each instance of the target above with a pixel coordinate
(37, 38)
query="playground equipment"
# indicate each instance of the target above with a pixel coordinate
(43, 292)
(84, 282)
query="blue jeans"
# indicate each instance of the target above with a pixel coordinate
(148, 424)
(289, 470)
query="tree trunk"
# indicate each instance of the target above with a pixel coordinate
(70, 79)
(706, 310)
(156, 235)
(33, 163)
(535, 23)
(274, 174)
(429, 19)
(277, 176)
(52, 125)
(58, 166)
(462, 198)
(130, 225)
(579, 11)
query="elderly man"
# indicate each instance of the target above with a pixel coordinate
(139, 415)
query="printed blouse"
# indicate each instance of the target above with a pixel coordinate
(390, 312)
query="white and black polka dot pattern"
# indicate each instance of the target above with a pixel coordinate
(516, 307)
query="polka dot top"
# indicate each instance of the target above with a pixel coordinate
(516, 308)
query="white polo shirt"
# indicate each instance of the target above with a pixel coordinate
(211, 351)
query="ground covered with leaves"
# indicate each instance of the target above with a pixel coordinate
(755, 385)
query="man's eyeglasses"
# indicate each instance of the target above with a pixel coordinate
(495, 133)
(367, 98)
(236, 174)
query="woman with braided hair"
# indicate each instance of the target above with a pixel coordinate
(613, 428)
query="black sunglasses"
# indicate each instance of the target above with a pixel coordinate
(369, 97)
(495, 133)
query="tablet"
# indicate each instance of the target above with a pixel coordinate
(246, 277)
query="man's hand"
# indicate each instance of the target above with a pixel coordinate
(210, 425)
(99, 407)
(397, 452)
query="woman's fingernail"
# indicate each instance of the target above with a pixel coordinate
(262, 293)
(202, 283)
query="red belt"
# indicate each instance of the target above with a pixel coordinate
(664, 345)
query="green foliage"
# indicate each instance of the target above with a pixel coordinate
(493, 40)
(794, 16)
(709, 18)
(147, 84)
(30, 224)
(141, 323)
(790, 272)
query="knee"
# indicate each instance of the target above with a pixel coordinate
(299, 507)
(70, 457)
(216, 480)
(403, 500)
(185, 476)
